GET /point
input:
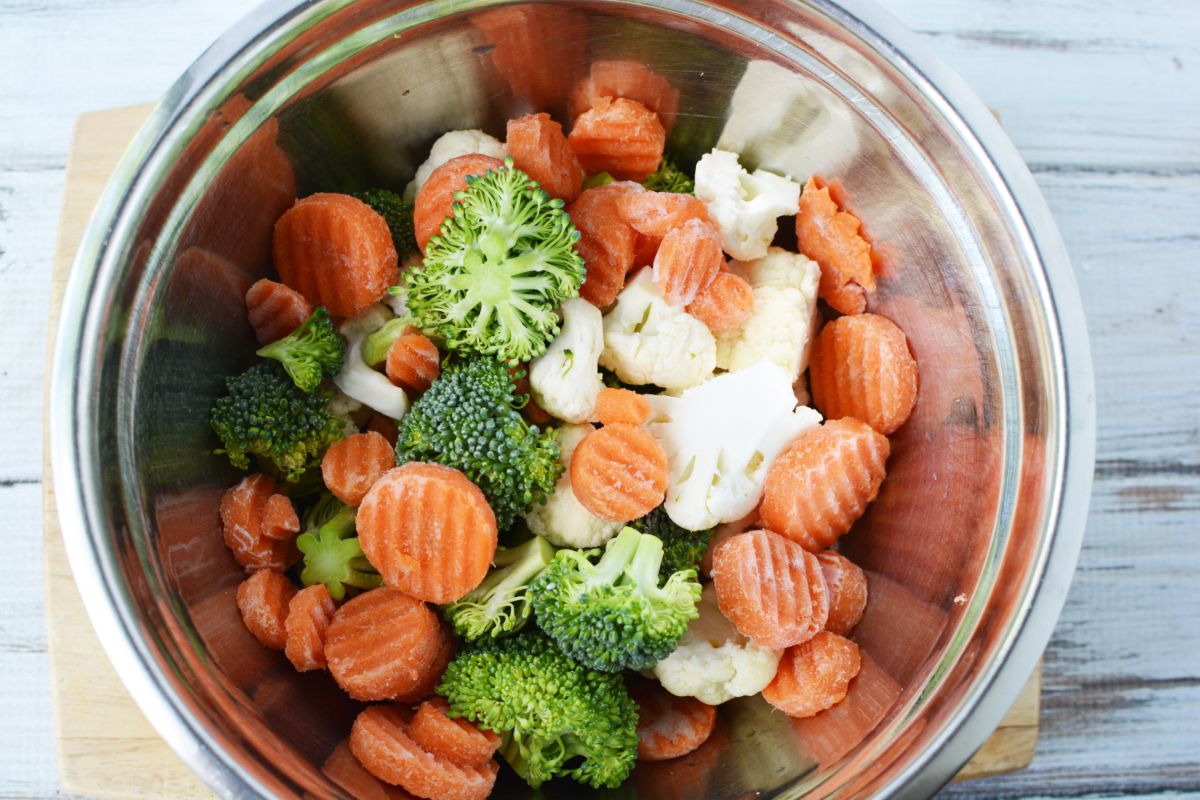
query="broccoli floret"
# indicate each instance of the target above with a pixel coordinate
(398, 213)
(495, 274)
(682, 549)
(332, 556)
(669, 178)
(469, 419)
(551, 711)
(612, 615)
(500, 605)
(310, 353)
(264, 414)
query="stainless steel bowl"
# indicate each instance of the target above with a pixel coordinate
(969, 548)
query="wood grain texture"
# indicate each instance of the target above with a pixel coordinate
(1100, 97)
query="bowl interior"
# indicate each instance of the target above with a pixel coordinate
(343, 97)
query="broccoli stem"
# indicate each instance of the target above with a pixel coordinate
(619, 553)
(500, 604)
(375, 347)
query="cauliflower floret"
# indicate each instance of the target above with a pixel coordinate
(452, 145)
(713, 662)
(563, 521)
(564, 380)
(359, 381)
(745, 206)
(782, 322)
(647, 340)
(721, 438)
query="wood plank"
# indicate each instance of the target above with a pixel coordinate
(106, 747)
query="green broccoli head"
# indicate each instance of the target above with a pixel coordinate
(332, 556)
(500, 605)
(682, 549)
(264, 414)
(492, 279)
(669, 178)
(468, 419)
(311, 353)
(557, 717)
(398, 213)
(612, 614)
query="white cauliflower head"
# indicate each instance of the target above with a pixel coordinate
(563, 521)
(565, 379)
(713, 662)
(721, 438)
(781, 323)
(745, 206)
(647, 340)
(359, 381)
(452, 145)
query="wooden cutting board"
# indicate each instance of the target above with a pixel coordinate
(106, 748)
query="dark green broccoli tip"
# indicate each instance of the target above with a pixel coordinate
(682, 549)
(398, 213)
(613, 615)
(494, 276)
(557, 717)
(500, 605)
(669, 178)
(265, 414)
(375, 346)
(311, 353)
(469, 420)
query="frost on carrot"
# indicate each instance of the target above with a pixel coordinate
(621, 137)
(830, 236)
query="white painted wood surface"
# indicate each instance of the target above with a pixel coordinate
(1103, 100)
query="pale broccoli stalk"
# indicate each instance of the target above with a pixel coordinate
(495, 274)
(500, 605)
(332, 556)
(375, 347)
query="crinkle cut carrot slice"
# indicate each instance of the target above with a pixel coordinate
(435, 198)
(724, 304)
(336, 251)
(814, 676)
(309, 614)
(343, 768)
(275, 310)
(428, 530)
(824, 481)
(770, 588)
(687, 261)
(621, 137)
(263, 601)
(606, 242)
(243, 507)
(831, 237)
(413, 362)
(620, 405)
(847, 592)
(619, 472)
(669, 726)
(540, 149)
(351, 466)
(381, 742)
(457, 740)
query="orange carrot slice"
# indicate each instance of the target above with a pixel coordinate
(862, 368)
(385, 426)
(428, 530)
(275, 310)
(352, 465)
(308, 618)
(770, 589)
(336, 251)
(688, 260)
(381, 644)
(669, 726)
(540, 150)
(655, 214)
(619, 472)
(279, 518)
(824, 481)
(263, 601)
(606, 241)
(631, 79)
(456, 740)
(620, 405)
(621, 137)
(435, 198)
(413, 362)
(343, 768)
(847, 592)
(242, 509)
(813, 676)
(380, 741)
(724, 304)
(432, 674)
(831, 237)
